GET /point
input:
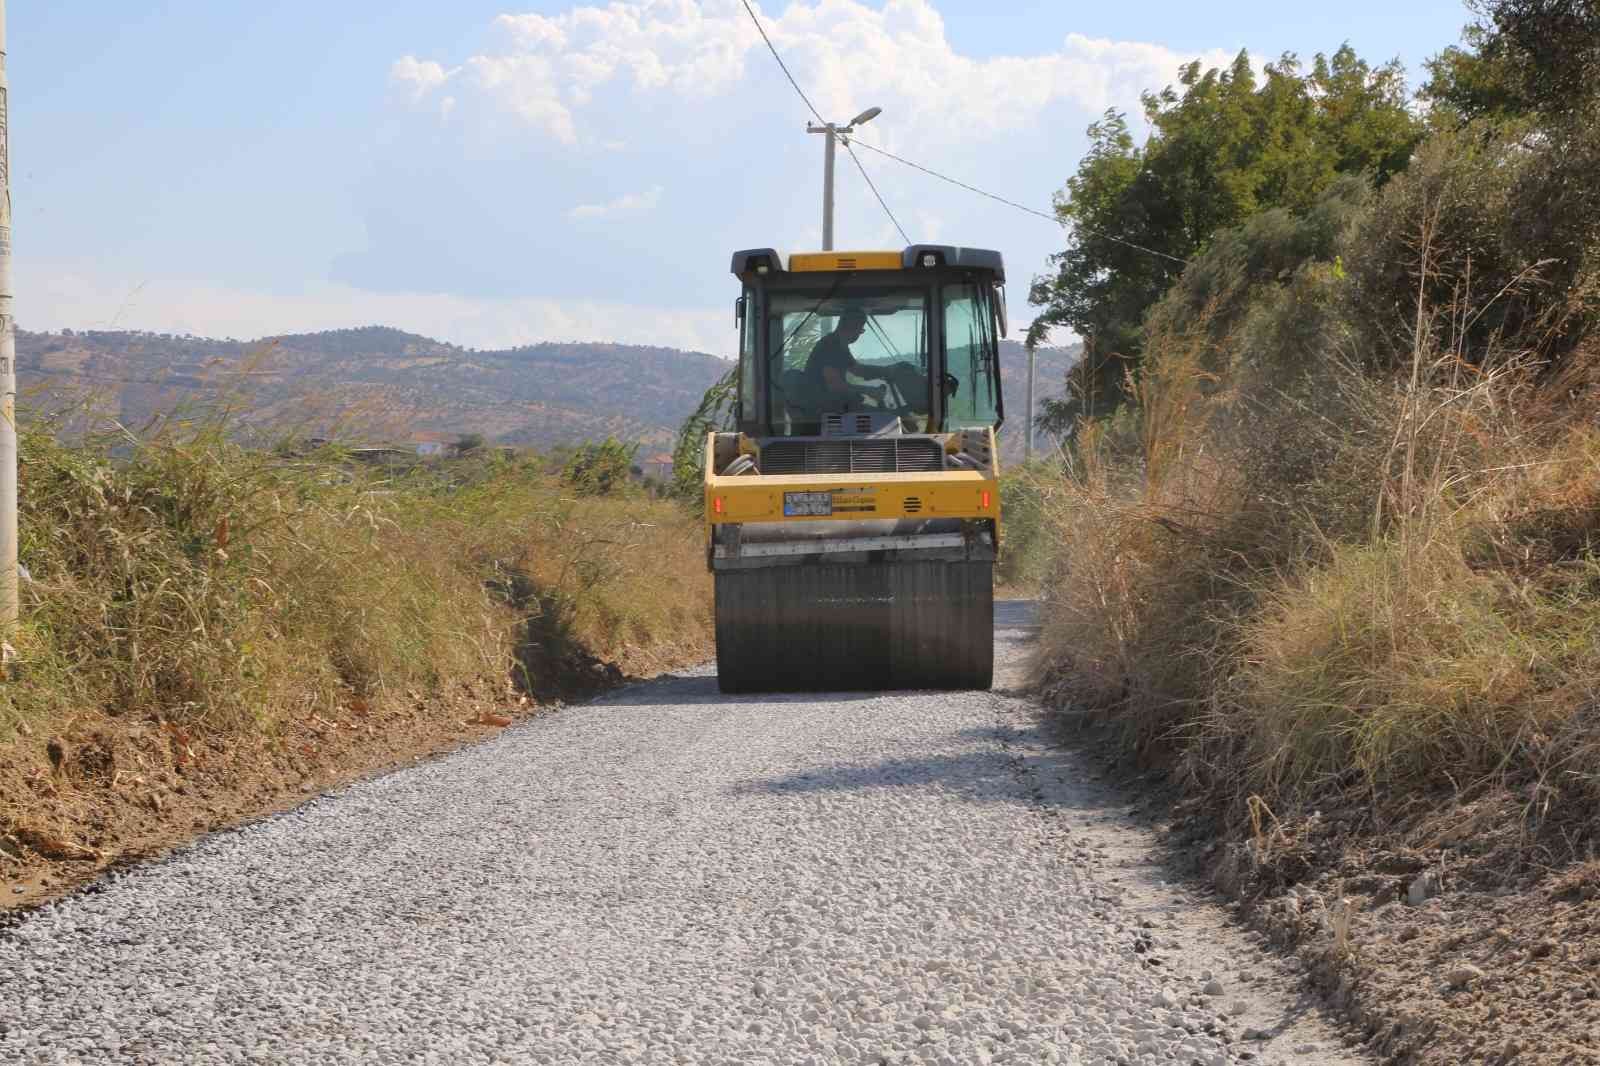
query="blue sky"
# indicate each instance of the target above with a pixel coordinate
(494, 173)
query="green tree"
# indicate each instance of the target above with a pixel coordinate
(600, 468)
(1223, 146)
(715, 414)
(1521, 57)
(1473, 81)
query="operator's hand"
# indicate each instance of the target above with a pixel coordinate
(868, 392)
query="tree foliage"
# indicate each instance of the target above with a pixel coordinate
(715, 414)
(1521, 57)
(600, 468)
(1223, 146)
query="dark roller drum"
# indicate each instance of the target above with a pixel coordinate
(832, 627)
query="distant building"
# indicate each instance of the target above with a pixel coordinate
(657, 467)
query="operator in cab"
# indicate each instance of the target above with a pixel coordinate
(831, 360)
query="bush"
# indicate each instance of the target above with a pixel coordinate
(1295, 573)
(186, 578)
(1027, 546)
(1507, 221)
(1400, 597)
(600, 468)
(197, 580)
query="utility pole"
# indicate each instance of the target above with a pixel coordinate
(827, 185)
(8, 368)
(1033, 358)
(834, 132)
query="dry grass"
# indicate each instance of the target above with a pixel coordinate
(1341, 582)
(1138, 576)
(181, 577)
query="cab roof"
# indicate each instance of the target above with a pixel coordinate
(912, 257)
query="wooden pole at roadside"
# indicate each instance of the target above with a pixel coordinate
(8, 369)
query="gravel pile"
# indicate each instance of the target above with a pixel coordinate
(667, 876)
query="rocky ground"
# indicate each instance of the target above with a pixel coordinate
(1455, 932)
(1442, 935)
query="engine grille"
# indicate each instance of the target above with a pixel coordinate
(882, 455)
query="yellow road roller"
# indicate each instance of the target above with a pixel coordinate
(853, 517)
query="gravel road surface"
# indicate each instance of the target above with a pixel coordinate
(671, 876)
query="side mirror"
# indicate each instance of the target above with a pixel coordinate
(738, 312)
(1000, 306)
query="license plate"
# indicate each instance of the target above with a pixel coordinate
(802, 504)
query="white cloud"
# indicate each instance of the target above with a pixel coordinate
(844, 53)
(627, 204)
(59, 299)
(421, 77)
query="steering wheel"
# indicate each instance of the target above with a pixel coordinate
(877, 394)
(889, 395)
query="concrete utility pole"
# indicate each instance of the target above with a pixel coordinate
(827, 189)
(8, 367)
(1033, 358)
(834, 132)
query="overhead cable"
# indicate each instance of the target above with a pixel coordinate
(822, 121)
(867, 178)
(785, 67)
(1012, 203)
(928, 170)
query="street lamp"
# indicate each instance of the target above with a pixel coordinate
(835, 131)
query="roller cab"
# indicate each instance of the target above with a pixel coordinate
(853, 517)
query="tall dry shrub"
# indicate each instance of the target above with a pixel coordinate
(1128, 598)
(1442, 653)
(183, 577)
(1426, 653)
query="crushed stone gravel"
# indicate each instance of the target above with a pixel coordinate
(664, 876)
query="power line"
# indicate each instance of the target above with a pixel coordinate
(926, 170)
(801, 92)
(866, 178)
(1013, 203)
(962, 184)
(822, 121)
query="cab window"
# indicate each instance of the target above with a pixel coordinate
(972, 388)
(838, 349)
(749, 331)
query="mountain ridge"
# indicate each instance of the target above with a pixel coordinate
(384, 383)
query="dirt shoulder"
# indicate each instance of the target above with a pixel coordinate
(1449, 935)
(103, 792)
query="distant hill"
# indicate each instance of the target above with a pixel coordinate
(1050, 382)
(385, 383)
(381, 382)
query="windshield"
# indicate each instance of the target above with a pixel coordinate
(837, 350)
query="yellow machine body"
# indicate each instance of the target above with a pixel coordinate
(884, 495)
(852, 527)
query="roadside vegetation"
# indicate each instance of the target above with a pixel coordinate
(1324, 541)
(1330, 517)
(195, 605)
